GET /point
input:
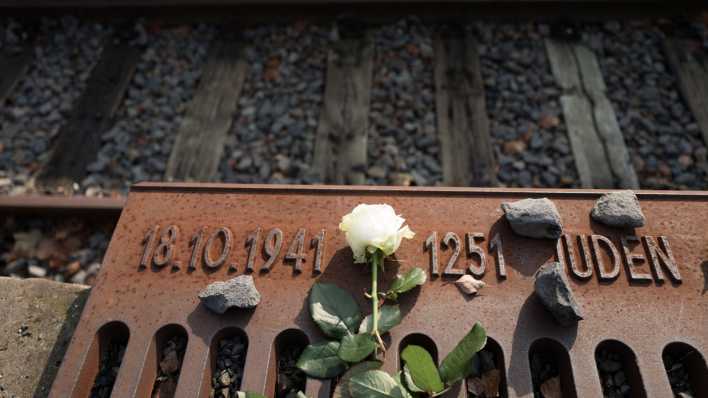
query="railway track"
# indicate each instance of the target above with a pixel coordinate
(57, 238)
(90, 107)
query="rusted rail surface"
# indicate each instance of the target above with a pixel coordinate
(651, 303)
(249, 9)
(38, 205)
(54, 3)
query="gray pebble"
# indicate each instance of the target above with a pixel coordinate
(619, 209)
(238, 292)
(534, 218)
(37, 271)
(402, 135)
(521, 93)
(279, 107)
(658, 128)
(552, 288)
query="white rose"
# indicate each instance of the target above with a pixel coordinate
(371, 227)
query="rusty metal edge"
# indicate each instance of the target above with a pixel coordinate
(211, 191)
(582, 9)
(114, 205)
(34, 204)
(378, 190)
(149, 3)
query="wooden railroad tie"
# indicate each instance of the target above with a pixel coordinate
(600, 153)
(13, 67)
(341, 142)
(80, 138)
(201, 137)
(463, 126)
(691, 68)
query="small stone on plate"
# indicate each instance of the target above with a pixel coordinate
(618, 209)
(238, 292)
(552, 288)
(534, 218)
(469, 285)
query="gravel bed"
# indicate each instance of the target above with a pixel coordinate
(484, 380)
(169, 367)
(230, 361)
(677, 371)
(291, 380)
(663, 139)
(612, 376)
(63, 250)
(403, 146)
(137, 147)
(273, 135)
(14, 35)
(544, 367)
(525, 115)
(65, 51)
(111, 358)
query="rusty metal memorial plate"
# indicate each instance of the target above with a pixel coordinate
(173, 239)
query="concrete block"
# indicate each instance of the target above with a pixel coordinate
(37, 320)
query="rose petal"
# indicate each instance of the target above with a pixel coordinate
(371, 227)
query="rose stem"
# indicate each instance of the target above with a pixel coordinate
(376, 258)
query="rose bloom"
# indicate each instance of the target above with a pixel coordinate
(371, 227)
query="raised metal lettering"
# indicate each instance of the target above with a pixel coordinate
(196, 245)
(225, 249)
(149, 242)
(164, 250)
(566, 240)
(665, 257)
(271, 248)
(472, 249)
(296, 252)
(631, 259)
(496, 245)
(252, 245)
(431, 245)
(451, 239)
(318, 242)
(604, 274)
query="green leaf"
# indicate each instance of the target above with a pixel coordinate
(321, 360)
(409, 380)
(389, 316)
(456, 364)
(342, 388)
(334, 310)
(397, 377)
(356, 347)
(403, 283)
(423, 371)
(375, 384)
